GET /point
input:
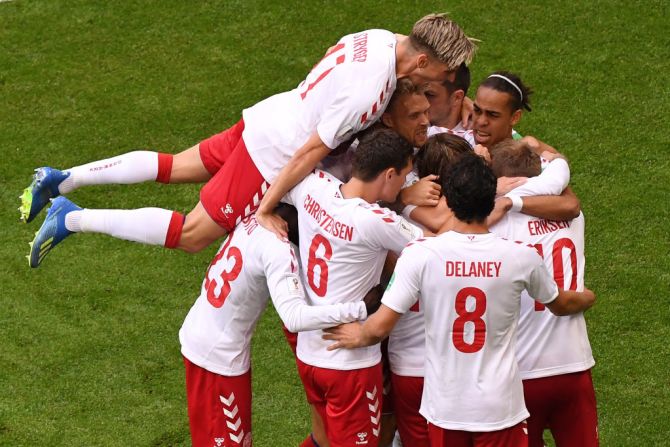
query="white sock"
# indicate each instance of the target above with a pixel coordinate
(144, 225)
(133, 167)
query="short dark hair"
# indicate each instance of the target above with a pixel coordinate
(461, 80)
(470, 188)
(514, 158)
(380, 149)
(439, 151)
(497, 81)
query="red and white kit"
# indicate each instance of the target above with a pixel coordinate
(343, 245)
(472, 382)
(343, 94)
(554, 353)
(251, 265)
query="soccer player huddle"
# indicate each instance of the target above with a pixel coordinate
(370, 176)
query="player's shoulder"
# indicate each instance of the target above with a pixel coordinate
(522, 251)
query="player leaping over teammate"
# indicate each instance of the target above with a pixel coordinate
(278, 141)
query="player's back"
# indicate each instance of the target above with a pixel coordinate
(561, 244)
(343, 246)
(344, 93)
(470, 291)
(216, 333)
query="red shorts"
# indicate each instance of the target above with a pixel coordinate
(291, 338)
(236, 188)
(565, 403)
(514, 436)
(407, 392)
(219, 407)
(387, 401)
(349, 402)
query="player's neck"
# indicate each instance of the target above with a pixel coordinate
(460, 226)
(404, 62)
(451, 121)
(356, 188)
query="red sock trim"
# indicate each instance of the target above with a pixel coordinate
(174, 230)
(164, 167)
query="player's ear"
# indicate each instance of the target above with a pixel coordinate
(516, 117)
(422, 61)
(458, 95)
(387, 120)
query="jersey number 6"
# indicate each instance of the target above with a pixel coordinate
(313, 262)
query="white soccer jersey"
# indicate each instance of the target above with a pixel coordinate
(251, 265)
(343, 245)
(407, 340)
(343, 94)
(469, 286)
(548, 345)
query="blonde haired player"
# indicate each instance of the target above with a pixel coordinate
(277, 142)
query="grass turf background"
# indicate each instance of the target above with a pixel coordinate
(89, 352)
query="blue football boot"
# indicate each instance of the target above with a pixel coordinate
(44, 187)
(52, 230)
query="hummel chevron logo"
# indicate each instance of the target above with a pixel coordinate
(373, 394)
(373, 408)
(231, 414)
(234, 426)
(227, 402)
(375, 420)
(238, 438)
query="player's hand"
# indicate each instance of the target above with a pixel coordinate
(502, 206)
(467, 111)
(506, 184)
(483, 152)
(274, 223)
(551, 156)
(425, 192)
(348, 336)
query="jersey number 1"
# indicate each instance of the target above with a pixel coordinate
(323, 63)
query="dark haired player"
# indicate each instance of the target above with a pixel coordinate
(344, 240)
(469, 283)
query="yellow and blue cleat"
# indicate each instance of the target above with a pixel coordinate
(52, 231)
(44, 187)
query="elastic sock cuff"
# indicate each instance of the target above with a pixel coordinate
(164, 167)
(174, 230)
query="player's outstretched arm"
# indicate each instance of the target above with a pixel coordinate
(357, 335)
(299, 166)
(564, 207)
(571, 302)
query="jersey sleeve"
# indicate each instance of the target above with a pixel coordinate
(541, 285)
(551, 182)
(288, 296)
(345, 114)
(384, 229)
(403, 289)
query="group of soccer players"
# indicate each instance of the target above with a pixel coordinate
(483, 312)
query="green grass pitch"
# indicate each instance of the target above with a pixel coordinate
(89, 354)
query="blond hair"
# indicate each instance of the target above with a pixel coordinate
(404, 87)
(443, 39)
